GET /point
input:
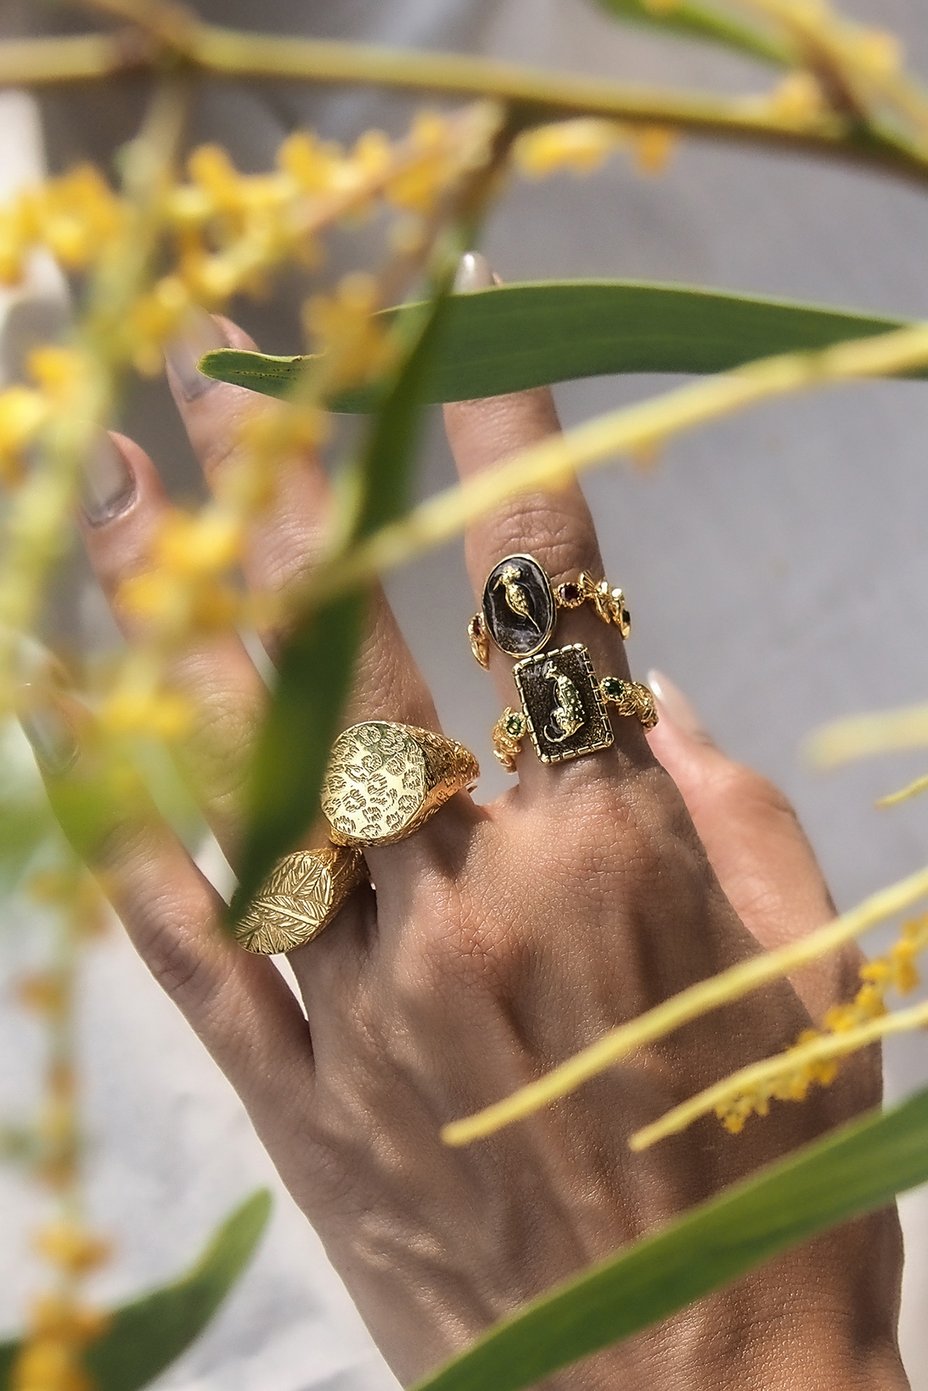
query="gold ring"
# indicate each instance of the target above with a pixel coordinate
(520, 605)
(564, 707)
(300, 898)
(384, 781)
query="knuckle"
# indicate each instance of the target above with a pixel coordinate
(187, 973)
(219, 748)
(755, 793)
(220, 448)
(564, 538)
(457, 952)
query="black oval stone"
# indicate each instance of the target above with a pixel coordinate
(518, 606)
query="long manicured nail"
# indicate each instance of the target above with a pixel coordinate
(474, 273)
(201, 334)
(675, 706)
(107, 482)
(53, 741)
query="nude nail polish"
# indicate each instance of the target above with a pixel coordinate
(675, 706)
(201, 334)
(51, 737)
(107, 481)
(474, 273)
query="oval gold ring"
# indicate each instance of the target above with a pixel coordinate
(385, 780)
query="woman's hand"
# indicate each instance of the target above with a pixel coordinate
(502, 939)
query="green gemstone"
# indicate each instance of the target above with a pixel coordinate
(515, 726)
(612, 687)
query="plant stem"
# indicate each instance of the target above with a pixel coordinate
(689, 1004)
(830, 1046)
(533, 96)
(632, 429)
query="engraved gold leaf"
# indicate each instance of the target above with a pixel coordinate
(293, 903)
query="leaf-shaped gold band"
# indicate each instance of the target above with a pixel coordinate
(300, 898)
(385, 780)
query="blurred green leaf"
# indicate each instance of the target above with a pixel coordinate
(317, 664)
(520, 336)
(314, 675)
(149, 1334)
(698, 22)
(854, 1170)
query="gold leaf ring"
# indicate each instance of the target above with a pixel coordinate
(299, 899)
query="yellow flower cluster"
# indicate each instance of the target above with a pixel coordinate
(582, 146)
(59, 1329)
(187, 589)
(895, 970)
(344, 327)
(223, 232)
(78, 218)
(60, 1326)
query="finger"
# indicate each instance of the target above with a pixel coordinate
(285, 541)
(554, 526)
(238, 1004)
(124, 506)
(287, 538)
(755, 843)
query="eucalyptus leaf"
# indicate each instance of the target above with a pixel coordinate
(698, 22)
(518, 336)
(146, 1336)
(317, 663)
(852, 1171)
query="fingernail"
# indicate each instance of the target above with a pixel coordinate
(107, 482)
(32, 662)
(52, 739)
(675, 706)
(201, 334)
(474, 273)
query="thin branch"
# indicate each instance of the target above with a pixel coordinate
(770, 1070)
(861, 736)
(533, 96)
(631, 430)
(690, 1004)
(42, 507)
(904, 794)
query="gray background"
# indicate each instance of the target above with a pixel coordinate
(774, 563)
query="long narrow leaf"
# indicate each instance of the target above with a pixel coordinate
(855, 1170)
(316, 667)
(520, 336)
(146, 1336)
(698, 22)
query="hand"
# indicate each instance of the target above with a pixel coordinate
(502, 938)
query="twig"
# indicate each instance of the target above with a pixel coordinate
(533, 96)
(861, 736)
(746, 1079)
(41, 510)
(690, 1004)
(635, 428)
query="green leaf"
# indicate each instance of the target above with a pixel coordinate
(698, 22)
(317, 665)
(149, 1334)
(855, 1170)
(519, 336)
(313, 680)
